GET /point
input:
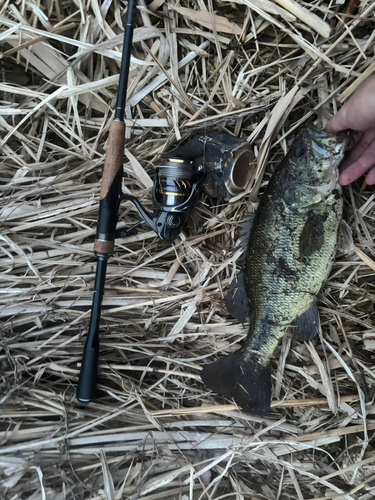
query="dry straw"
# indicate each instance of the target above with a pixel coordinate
(253, 68)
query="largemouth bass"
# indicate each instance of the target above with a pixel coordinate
(290, 252)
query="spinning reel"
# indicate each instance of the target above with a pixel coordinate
(216, 163)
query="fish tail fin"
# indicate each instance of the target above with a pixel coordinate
(244, 378)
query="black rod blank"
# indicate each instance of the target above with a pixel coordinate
(125, 63)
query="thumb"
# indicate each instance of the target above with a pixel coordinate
(336, 124)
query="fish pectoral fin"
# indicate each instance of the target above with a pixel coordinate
(242, 378)
(345, 238)
(307, 325)
(236, 298)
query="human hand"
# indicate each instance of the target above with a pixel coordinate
(357, 115)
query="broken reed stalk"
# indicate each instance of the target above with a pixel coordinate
(311, 19)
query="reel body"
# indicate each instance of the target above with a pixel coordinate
(216, 163)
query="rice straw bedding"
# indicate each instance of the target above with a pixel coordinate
(255, 68)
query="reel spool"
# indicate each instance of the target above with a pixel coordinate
(173, 182)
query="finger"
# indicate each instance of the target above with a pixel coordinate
(354, 138)
(358, 167)
(370, 177)
(338, 122)
(359, 150)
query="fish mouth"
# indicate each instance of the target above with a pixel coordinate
(343, 137)
(317, 133)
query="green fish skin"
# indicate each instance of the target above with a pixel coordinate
(290, 254)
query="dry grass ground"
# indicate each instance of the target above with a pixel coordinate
(248, 67)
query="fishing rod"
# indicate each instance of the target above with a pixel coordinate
(215, 162)
(110, 197)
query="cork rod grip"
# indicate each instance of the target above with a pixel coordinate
(114, 156)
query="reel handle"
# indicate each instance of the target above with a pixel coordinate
(166, 224)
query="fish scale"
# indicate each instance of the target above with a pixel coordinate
(290, 254)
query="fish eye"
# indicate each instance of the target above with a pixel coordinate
(300, 152)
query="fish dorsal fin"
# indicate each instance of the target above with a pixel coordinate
(307, 325)
(244, 229)
(236, 298)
